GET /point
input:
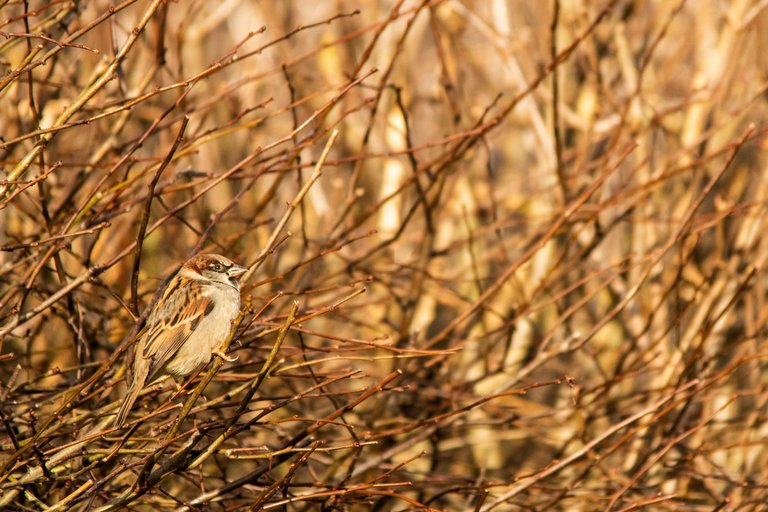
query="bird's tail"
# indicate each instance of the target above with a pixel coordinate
(128, 401)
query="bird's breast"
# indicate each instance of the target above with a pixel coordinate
(210, 333)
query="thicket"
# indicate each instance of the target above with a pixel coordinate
(507, 255)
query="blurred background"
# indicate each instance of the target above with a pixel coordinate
(531, 275)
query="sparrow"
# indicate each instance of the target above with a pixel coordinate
(191, 317)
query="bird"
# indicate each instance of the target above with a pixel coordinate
(190, 317)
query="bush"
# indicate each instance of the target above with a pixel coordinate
(554, 209)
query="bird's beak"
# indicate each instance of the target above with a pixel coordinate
(236, 271)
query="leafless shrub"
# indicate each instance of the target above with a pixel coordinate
(555, 210)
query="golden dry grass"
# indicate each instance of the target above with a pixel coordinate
(555, 210)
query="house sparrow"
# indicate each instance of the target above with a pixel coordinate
(190, 318)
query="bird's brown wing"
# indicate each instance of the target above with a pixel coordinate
(176, 315)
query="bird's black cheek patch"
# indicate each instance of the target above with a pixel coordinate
(208, 309)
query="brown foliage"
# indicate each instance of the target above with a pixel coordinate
(555, 210)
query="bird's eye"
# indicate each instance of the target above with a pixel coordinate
(216, 267)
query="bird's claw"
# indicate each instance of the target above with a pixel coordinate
(225, 357)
